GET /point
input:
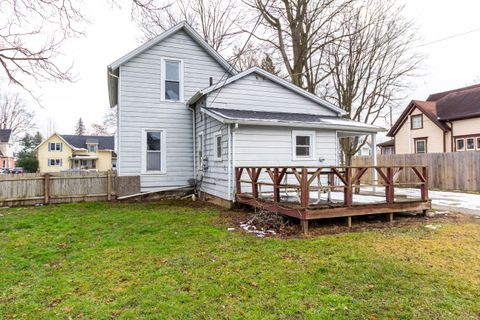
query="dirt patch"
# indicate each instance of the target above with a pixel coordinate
(291, 229)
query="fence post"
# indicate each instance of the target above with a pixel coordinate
(109, 185)
(46, 188)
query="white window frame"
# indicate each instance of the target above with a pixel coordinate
(215, 146)
(416, 116)
(92, 145)
(163, 152)
(60, 162)
(466, 143)
(424, 144)
(477, 141)
(201, 149)
(456, 144)
(295, 134)
(55, 144)
(163, 78)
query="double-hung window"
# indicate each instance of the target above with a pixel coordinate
(303, 145)
(54, 146)
(460, 144)
(92, 147)
(54, 162)
(417, 121)
(470, 143)
(154, 151)
(217, 146)
(172, 80)
(420, 145)
(478, 143)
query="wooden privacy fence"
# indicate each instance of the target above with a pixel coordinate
(447, 171)
(45, 188)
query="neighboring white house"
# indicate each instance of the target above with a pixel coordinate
(185, 114)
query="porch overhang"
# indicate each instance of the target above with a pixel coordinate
(82, 157)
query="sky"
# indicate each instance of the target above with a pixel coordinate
(110, 34)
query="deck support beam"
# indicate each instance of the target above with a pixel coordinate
(304, 223)
(390, 217)
(349, 222)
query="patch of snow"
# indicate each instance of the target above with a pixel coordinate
(433, 226)
(259, 233)
(231, 229)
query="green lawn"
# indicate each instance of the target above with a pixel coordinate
(170, 260)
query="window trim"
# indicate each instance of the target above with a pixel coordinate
(215, 146)
(92, 145)
(163, 79)
(416, 116)
(456, 144)
(60, 162)
(201, 149)
(425, 139)
(312, 135)
(55, 149)
(466, 144)
(163, 152)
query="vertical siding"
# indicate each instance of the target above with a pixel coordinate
(253, 92)
(140, 107)
(214, 179)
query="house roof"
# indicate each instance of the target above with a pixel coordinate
(5, 135)
(440, 107)
(272, 77)
(80, 142)
(112, 69)
(427, 107)
(389, 143)
(285, 119)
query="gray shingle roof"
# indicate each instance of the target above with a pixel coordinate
(104, 142)
(5, 135)
(283, 117)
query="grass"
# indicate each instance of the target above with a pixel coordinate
(170, 260)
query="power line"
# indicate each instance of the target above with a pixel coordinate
(447, 38)
(238, 55)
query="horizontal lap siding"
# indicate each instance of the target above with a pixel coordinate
(215, 177)
(140, 107)
(255, 93)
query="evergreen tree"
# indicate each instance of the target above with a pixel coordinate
(26, 157)
(80, 128)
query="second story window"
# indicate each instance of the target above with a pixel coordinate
(54, 146)
(92, 147)
(172, 80)
(417, 121)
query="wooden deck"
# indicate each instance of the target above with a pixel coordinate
(308, 193)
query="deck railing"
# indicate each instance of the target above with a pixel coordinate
(328, 179)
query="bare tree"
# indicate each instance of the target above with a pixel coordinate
(370, 66)
(244, 59)
(216, 20)
(108, 125)
(31, 33)
(15, 115)
(299, 31)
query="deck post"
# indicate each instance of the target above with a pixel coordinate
(276, 189)
(254, 183)
(238, 177)
(389, 189)
(347, 190)
(349, 222)
(424, 186)
(304, 189)
(304, 224)
(390, 218)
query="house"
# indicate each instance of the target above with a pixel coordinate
(387, 147)
(65, 152)
(7, 160)
(186, 116)
(365, 150)
(446, 122)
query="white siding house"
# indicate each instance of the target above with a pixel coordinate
(185, 115)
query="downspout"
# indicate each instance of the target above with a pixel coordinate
(194, 130)
(409, 133)
(234, 158)
(452, 141)
(229, 157)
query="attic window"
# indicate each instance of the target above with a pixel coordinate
(417, 121)
(172, 80)
(92, 147)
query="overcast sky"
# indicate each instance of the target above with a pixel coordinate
(449, 64)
